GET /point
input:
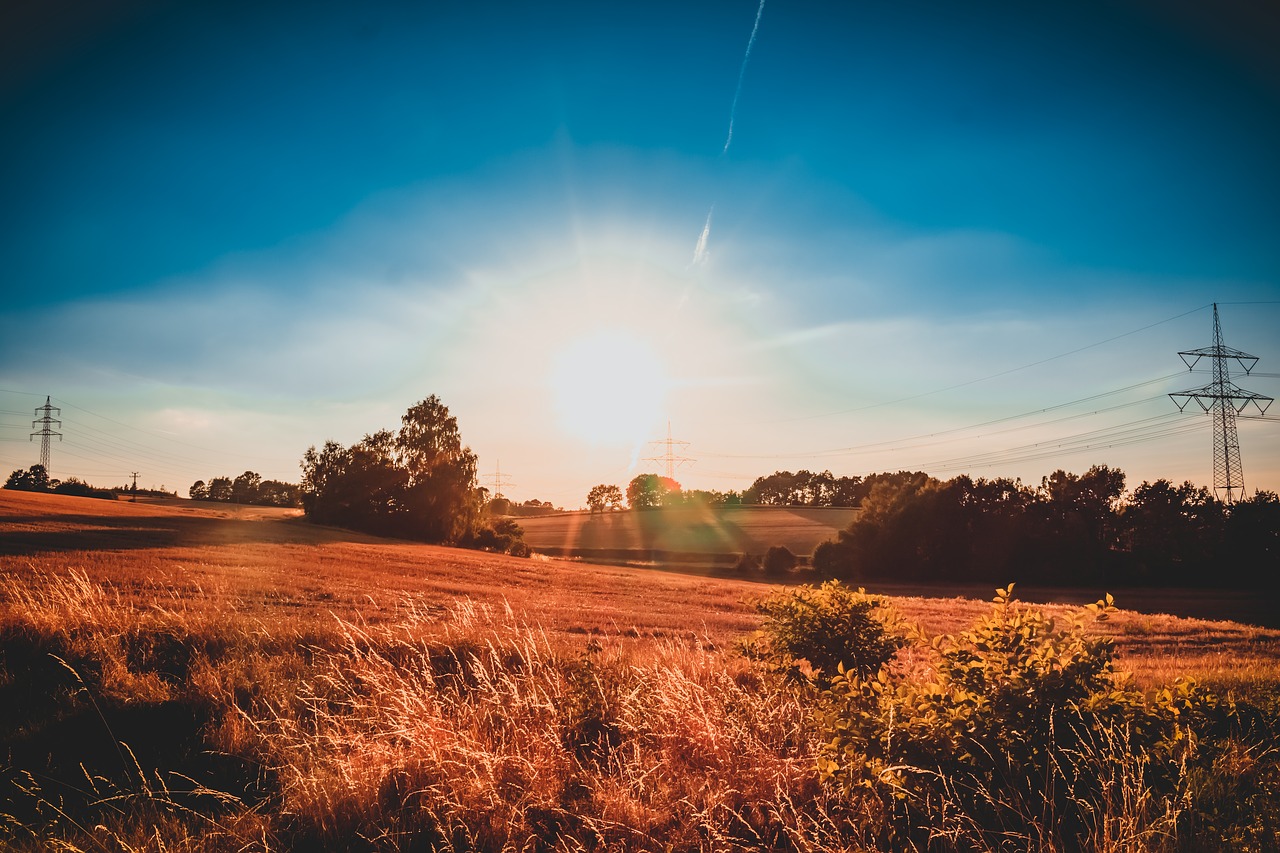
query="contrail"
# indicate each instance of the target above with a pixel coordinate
(742, 72)
(700, 251)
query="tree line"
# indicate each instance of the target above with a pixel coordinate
(248, 488)
(781, 488)
(37, 479)
(1070, 530)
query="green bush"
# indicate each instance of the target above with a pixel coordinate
(779, 559)
(1020, 735)
(814, 633)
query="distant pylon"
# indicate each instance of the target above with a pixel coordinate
(46, 424)
(500, 481)
(670, 458)
(1222, 399)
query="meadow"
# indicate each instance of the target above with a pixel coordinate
(184, 676)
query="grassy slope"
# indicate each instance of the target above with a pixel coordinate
(728, 530)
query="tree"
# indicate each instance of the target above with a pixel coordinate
(1173, 532)
(34, 479)
(440, 495)
(198, 491)
(418, 482)
(602, 498)
(220, 489)
(244, 489)
(647, 491)
(779, 560)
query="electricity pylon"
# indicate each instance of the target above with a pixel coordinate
(1223, 399)
(670, 458)
(499, 480)
(46, 425)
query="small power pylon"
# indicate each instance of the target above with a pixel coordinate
(46, 424)
(670, 458)
(499, 480)
(1223, 399)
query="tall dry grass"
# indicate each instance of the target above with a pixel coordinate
(180, 721)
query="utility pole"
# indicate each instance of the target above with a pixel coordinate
(134, 489)
(670, 458)
(46, 424)
(1223, 399)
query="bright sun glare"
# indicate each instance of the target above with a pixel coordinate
(609, 387)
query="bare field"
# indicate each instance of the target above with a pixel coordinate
(268, 567)
(689, 530)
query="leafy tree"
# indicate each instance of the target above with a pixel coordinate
(418, 482)
(1173, 532)
(244, 489)
(277, 493)
(440, 492)
(220, 489)
(647, 491)
(778, 560)
(34, 479)
(198, 491)
(602, 498)
(1252, 547)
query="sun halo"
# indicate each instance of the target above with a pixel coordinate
(608, 387)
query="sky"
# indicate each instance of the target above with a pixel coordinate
(856, 237)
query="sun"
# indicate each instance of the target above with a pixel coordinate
(608, 387)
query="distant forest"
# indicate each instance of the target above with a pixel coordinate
(248, 488)
(1070, 530)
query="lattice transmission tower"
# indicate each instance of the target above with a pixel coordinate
(1223, 400)
(499, 480)
(670, 458)
(45, 429)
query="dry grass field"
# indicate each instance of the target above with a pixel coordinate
(182, 676)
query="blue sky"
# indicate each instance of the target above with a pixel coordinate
(230, 231)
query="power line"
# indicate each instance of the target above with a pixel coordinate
(994, 375)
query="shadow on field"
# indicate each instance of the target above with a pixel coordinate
(30, 535)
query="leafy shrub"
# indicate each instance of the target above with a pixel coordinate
(589, 726)
(502, 535)
(778, 560)
(1021, 736)
(818, 632)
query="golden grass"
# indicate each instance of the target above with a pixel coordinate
(379, 695)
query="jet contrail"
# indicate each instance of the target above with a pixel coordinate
(742, 72)
(700, 251)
